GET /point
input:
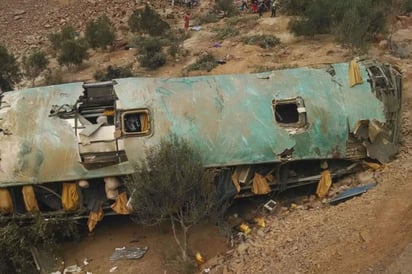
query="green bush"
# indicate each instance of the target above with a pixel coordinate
(9, 70)
(317, 19)
(173, 186)
(407, 6)
(263, 41)
(113, 73)
(151, 56)
(73, 52)
(243, 21)
(353, 22)
(227, 6)
(58, 38)
(226, 32)
(54, 77)
(16, 241)
(100, 32)
(295, 7)
(35, 63)
(207, 18)
(359, 22)
(148, 21)
(205, 62)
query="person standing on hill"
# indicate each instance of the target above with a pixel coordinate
(273, 8)
(187, 20)
(260, 7)
(244, 5)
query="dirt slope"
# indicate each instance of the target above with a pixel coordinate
(368, 234)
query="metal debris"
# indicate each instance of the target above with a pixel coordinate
(350, 193)
(128, 253)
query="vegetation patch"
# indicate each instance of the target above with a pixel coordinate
(73, 52)
(58, 38)
(151, 55)
(34, 64)
(208, 18)
(173, 186)
(353, 22)
(263, 41)
(100, 32)
(245, 21)
(16, 242)
(113, 72)
(205, 62)
(9, 70)
(227, 7)
(226, 32)
(148, 21)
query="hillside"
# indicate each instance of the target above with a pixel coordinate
(368, 234)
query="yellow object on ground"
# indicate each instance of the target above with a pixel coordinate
(260, 221)
(199, 258)
(245, 228)
(70, 197)
(94, 218)
(354, 74)
(374, 166)
(260, 185)
(120, 205)
(324, 183)
(235, 180)
(30, 200)
(6, 203)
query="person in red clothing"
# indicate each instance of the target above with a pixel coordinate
(187, 20)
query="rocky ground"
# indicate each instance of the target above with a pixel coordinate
(368, 234)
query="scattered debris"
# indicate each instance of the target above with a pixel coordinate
(270, 205)
(196, 28)
(245, 228)
(113, 269)
(260, 222)
(199, 259)
(217, 45)
(350, 193)
(128, 253)
(72, 269)
(86, 261)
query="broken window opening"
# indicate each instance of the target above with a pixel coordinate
(286, 113)
(136, 122)
(290, 112)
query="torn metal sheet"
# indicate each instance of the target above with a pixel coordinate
(128, 253)
(350, 193)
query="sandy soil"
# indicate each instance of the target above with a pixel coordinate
(368, 234)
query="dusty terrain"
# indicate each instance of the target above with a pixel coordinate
(368, 234)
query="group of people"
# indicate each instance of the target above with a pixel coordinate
(259, 6)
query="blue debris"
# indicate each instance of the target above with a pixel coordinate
(350, 193)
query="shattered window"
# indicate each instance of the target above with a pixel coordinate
(136, 122)
(290, 112)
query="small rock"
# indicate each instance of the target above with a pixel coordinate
(365, 236)
(242, 248)
(365, 177)
(383, 44)
(19, 12)
(260, 233)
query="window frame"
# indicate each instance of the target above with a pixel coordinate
(300, 108)
(136, 111)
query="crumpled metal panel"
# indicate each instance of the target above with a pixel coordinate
(39, 148)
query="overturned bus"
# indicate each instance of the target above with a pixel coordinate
(64, 149)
